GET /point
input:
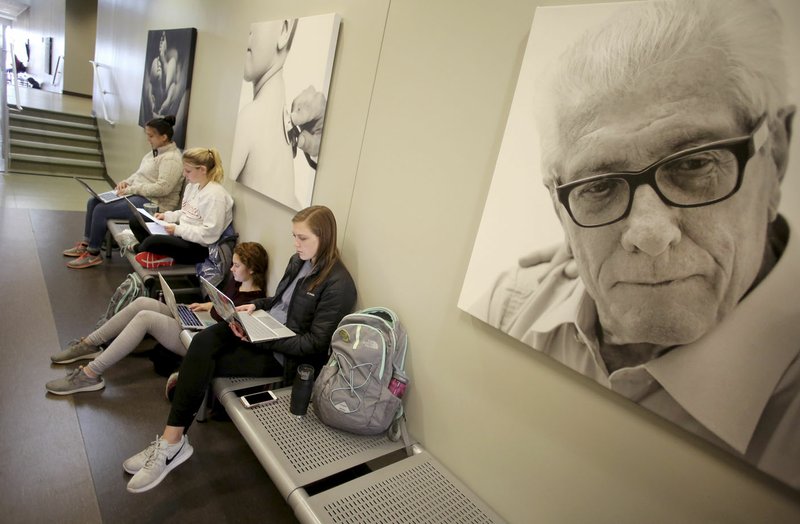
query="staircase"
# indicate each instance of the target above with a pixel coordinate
(51, 143)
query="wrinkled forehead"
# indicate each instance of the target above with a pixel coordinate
(670, 107)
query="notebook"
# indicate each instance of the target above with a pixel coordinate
(259, 326)
(155, 228)
(187, 318)
(108, 196)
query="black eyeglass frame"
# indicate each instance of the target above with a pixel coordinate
(743, 149)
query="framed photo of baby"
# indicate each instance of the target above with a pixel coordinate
(167, 82)
(287, 73)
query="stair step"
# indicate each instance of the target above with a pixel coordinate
(19, 145)
(49, 124)
(17, 157)
(51, 171)
(48, 136)
(22, 117)
(53, 115)
(23, 165)
(44, 142)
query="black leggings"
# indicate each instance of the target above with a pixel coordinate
(182, 251)
(216, 352)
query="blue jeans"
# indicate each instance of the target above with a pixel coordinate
(97, 213)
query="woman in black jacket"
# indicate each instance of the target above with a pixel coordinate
(316, 291)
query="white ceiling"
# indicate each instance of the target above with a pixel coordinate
(11, 10)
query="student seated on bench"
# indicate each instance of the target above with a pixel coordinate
(206, 210)
(316, 291)
(157, 180)
(147, 316)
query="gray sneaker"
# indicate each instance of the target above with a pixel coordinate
(75, 382)
(161, 459)
(86, 260)
(78, 349)
(126, 241)
(77, 250)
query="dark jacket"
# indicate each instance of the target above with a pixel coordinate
(312, 315)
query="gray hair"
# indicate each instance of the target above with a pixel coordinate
(606, 61)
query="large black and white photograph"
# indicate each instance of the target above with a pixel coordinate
(641, 223)
(167, 82)
(287, 73)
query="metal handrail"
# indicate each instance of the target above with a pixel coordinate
(16, 79)
(103, 92)
(54, 81)
(4, 109)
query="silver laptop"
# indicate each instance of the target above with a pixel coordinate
(106, 197)
(187, 318)
(259, 326)
(152, 227)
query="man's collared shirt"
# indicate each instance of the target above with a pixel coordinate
(736, 386)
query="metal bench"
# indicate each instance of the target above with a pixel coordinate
(417, 489)
(298, 451)
(182, 276)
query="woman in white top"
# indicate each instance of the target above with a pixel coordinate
(206, 211)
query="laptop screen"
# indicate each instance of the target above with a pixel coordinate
(222, 303)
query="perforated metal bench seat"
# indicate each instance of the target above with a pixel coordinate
(150, 276)
(297, 451)
(414, 490)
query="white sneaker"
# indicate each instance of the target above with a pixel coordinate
(136, 462)
(161, 458)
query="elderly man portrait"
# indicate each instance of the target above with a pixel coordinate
(665, 138)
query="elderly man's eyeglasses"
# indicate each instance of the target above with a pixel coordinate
(696, 177)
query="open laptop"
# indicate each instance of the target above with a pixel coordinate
(153, 227)
(187, 318)
(259, 326)
(106, 197)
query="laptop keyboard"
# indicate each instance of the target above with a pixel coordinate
(188, 318)
(270, 322)
(255, 328)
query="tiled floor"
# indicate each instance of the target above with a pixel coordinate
(45, 192)
(53, 101)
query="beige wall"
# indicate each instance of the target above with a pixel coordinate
(80, 21)
(420, 94)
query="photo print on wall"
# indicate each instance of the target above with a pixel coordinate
(168, 78)
(641, 223)
(287, 73)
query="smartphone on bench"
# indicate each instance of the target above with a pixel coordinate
(259, 398)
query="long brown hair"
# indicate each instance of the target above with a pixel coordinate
(254, 257)
(322, 223)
